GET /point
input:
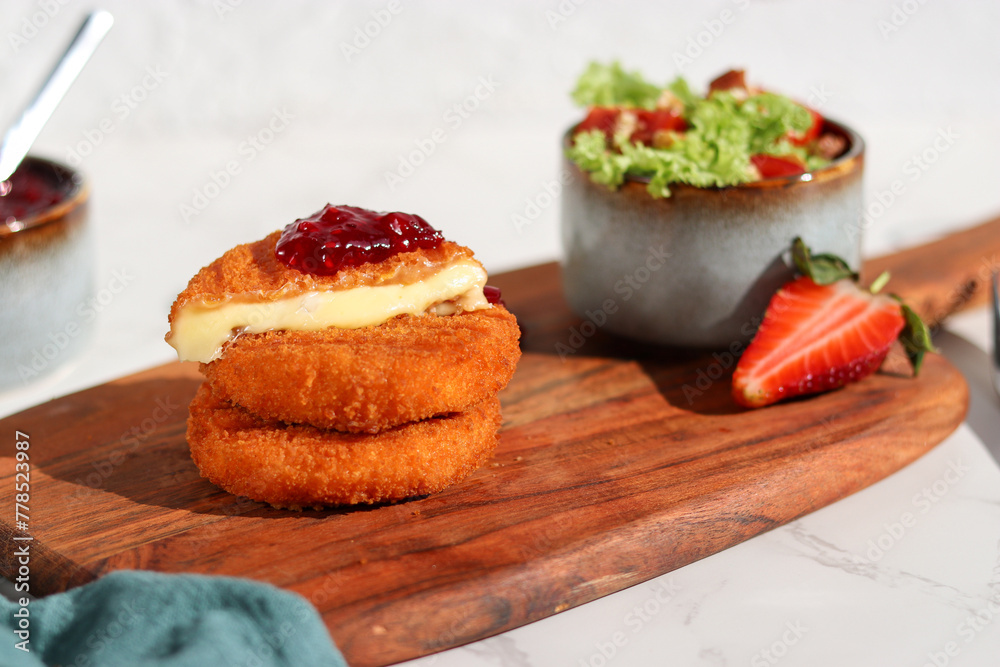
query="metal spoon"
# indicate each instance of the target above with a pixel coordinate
(995, 289)
(23, 133)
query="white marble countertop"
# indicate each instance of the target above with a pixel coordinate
(205, 124)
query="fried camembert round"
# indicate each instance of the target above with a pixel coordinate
(369, 379)
(294, 466)
(357, 379)
(354, 357)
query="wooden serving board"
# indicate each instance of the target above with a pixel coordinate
(617, 463)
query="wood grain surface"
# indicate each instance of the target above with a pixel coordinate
(944, 276)
(618, 462)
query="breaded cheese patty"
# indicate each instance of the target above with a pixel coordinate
(371, 378)
(296, 466)
(358, 379)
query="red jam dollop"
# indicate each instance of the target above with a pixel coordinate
(30, 191)
(338, 237)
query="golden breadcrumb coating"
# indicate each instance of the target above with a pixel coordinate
(252, 271)
(372, 378)
(297, 466)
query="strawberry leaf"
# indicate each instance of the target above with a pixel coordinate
(915, 336)
(824, 269)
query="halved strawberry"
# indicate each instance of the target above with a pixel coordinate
(821, 331)
(815, 338)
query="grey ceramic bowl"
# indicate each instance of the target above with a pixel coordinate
(46, 279)
(698, 268)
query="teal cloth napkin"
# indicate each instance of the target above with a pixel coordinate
(169, 620)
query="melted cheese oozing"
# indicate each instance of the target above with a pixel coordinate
(201, 330)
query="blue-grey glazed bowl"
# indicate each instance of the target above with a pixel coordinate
(46, 280)
(698, 268)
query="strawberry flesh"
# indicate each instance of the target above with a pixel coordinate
(815, 338)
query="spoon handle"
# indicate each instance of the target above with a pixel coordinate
(23, 133)
(995, 294)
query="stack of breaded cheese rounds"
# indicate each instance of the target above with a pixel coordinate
(354, 357)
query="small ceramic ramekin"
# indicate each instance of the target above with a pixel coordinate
(46, 279)
(698, 268)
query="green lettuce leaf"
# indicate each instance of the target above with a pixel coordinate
(682, 91)
(590, 151)
(610, 85)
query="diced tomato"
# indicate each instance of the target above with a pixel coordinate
(600, 118)
(772, 166)
(650, 122)
(812, 133)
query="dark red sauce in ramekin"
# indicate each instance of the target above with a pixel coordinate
(37, 187)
